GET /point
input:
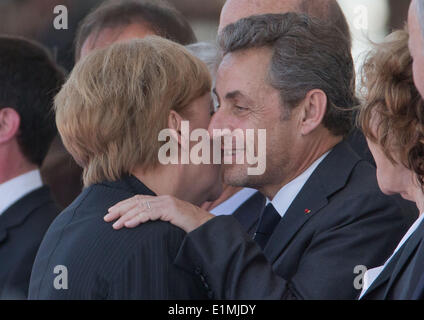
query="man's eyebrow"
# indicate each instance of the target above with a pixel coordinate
(233, 94)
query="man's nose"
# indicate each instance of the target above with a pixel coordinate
(219, 121)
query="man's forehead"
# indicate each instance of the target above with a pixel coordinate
(246, 60)
(243, 70)
(110, 35)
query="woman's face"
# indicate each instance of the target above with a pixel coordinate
(392, 178)
(207, 177)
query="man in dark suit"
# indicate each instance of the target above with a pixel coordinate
(325, 215)
(29, 80)
(328, 11)
(339, 220)
(110, 22)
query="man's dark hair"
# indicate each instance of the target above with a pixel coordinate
(29, 80)
(164, 20)
(307, 54)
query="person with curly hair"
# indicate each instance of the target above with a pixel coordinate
(392, 119)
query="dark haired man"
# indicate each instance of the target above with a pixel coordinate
(127, 19)
(29, 79)
(112, 21)
(329, 11)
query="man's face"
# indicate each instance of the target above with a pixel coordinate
(235, 10)
(247, 101)
(108, 36)
(416, 46)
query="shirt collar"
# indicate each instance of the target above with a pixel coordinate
(13, 190)
(288, 193)
(234, 202)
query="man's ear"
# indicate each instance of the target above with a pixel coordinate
(174, 123)
(9, 124)
(314, 108)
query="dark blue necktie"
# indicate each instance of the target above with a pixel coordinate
(266, 226)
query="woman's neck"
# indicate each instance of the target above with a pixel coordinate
(165, 180)
(157, 179)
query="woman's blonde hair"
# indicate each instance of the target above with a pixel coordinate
(393, 105)
(116, 101)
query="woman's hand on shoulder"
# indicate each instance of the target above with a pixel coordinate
(140, 209)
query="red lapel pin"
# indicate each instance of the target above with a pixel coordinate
(307, 211)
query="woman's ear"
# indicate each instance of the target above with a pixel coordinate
(174, 124)
(9, 124)
(314, 108)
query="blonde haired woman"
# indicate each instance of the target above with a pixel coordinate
(109, 114)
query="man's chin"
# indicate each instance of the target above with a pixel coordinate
(235, 175)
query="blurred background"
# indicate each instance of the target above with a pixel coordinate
(369, 20)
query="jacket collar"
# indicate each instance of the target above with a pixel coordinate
(249, 212)
(130, 183)
(328, 178)
(20, 210)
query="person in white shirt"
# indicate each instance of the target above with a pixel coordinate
(29, 79)
(392, 118)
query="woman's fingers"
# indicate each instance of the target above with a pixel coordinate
(127, 216)
(140, 209)
(121, 208)
(135, 221)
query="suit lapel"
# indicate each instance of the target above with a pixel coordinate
(295, 217)
(393, 269)
(410, 246)
(249, 212)
(327, 178)
(130, 184)
(3, 235)
(384, 276)
(21, 209)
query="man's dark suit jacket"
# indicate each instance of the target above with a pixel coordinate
(339, 220)
(249, 212)
(358, 143)
(419, 290)
(103, 263)
(400, 279)
(22, 227)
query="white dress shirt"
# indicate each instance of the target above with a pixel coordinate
(234, 202)
(372, 274)
(13, 190)
(285, 196)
